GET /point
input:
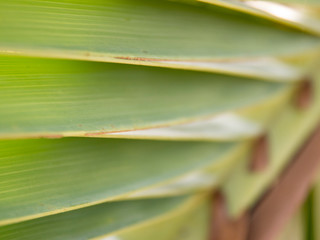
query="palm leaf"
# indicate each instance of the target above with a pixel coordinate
(283, 146)
(78, 172)
(115, 220)
(87, 72)
(45, 97)
(292, 13)
(157, 33)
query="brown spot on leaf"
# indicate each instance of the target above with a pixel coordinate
(304, 95)
(260, 154)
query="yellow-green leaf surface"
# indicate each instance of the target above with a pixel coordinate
(237, 125)
(187, 222)
(152, 32)
(290, 130)
(45, 176)
(49, 97)
(300, 14)
(125, 220)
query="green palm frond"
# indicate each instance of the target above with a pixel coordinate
(119, 118)
(155, 33)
